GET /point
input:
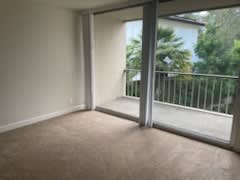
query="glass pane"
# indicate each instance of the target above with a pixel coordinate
(118, 60)
(197, 64)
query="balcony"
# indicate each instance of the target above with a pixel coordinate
(197, 103)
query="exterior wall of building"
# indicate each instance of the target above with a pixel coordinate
(110, 57)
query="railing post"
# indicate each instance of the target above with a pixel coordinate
(124, 81)
(150, 17)
(199, 99)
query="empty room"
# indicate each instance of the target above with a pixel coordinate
(119, 89)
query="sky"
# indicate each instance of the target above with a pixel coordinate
(134, 28)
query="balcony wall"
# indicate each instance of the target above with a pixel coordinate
(110, 50)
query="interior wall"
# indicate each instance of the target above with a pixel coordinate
(110, 57)
(40, 71)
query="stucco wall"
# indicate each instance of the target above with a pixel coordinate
(39, 69)
(110, 60)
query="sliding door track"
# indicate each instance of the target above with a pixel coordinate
(172, 129)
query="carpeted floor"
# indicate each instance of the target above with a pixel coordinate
(96, 146)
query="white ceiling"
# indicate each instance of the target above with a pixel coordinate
(127, 14)
(174, 7)
(165, 8)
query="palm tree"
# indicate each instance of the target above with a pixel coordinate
(170, 55)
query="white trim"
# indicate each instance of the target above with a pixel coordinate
(40, 118)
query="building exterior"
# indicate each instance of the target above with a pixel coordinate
(184, 28)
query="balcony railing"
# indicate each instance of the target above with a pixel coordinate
(202, 91)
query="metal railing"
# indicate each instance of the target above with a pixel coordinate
(203, 91)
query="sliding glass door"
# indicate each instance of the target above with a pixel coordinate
(195, 80)
(184, 79)
(118, 56)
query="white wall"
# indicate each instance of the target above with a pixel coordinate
(110, 57)
(39, 69)
(188, 32)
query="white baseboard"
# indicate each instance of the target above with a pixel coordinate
(44, 117)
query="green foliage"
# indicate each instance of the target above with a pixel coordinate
(219, 49)
(168, 46)
(235, 52)
(218, 45)
(228, 21)
(134, 53)
(211, 50)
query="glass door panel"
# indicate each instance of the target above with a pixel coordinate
(195, 83)
(118, 54)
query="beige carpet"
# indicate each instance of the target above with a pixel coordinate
(96, 146)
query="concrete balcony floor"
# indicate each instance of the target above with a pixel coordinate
(214, 125)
